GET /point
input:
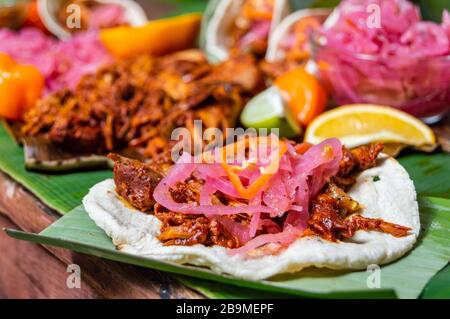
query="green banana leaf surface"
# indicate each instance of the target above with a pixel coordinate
(405, 278)
(183, 6)
(61, 192)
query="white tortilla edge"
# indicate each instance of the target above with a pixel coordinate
(392, 198)
(216, 46)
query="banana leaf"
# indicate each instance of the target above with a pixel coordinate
(439, 286)
(405, 278)
(62, 192)
(432, 9)
(183, 6)
(430, 173)
(303, 4)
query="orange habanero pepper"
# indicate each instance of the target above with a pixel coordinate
(20, 87)
(303, 93)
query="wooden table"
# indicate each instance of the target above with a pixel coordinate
(29, 270)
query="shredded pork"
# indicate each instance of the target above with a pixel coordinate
(136, 104)
(334, 215)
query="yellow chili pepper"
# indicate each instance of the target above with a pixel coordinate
(20, 87)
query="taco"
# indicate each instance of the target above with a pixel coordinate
(281, 211)
(289, 44)
(241, 26)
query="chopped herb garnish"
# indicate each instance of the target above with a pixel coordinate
(376, 178)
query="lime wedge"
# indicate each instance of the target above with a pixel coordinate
(267, 110)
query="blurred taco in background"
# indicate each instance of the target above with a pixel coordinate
(288, 45)
(237, 26)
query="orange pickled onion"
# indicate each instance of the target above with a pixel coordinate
(252, 190)
(302, 148)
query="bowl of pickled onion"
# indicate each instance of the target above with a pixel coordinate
(402, 61)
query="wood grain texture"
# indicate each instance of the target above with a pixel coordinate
(101, 278)
(29, 271)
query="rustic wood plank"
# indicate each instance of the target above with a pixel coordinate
(29, 271)
(23, 208)
(107, 278)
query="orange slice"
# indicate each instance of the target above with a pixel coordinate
(361, 124)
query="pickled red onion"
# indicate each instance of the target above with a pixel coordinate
(298, 178)
(63, 63)
(259, 31)
(382, 52)
(285, 237)
(181, 171)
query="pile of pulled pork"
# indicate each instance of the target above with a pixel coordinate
(203, 203)
(136, 104)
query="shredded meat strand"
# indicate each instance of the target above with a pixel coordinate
(334, 217)
(188, 230)
(359, 159)
(355, 161)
